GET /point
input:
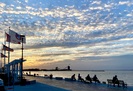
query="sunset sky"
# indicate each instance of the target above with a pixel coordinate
(85, 34)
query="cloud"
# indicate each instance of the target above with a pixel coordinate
(44, 60)
(84, 28)
(56, 54)
(125, 3)
(2, 5)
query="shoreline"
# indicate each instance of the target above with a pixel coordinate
(80, 70)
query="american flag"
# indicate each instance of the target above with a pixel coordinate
(15, 37)
(2, 55)
(7, 48)
(7, 37)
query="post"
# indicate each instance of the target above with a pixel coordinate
(8, 66)
(21, 64)
(17, 69)
(4, 53)
(1, 63)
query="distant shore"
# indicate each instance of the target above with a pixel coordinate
(36, 69)
(47, 69)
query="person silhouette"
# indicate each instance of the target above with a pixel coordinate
(88, 78)
(51, 76)
(115, 80)
(95, 79)
(73, 77)
(80, 78)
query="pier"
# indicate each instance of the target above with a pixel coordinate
(75, 85)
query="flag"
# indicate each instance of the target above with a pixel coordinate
(7, 36)
(2, 55)
(7, 48)
(15, 37)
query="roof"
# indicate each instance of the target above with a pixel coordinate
(16, 61)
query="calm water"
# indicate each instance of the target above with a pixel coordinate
(127, 76)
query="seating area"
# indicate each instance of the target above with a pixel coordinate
(95, 81)
(120, 82)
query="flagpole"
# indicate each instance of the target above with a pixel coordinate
(4, 53)
(1, 63)
(22, 36)
(22, 46)
(8, 70)
(2, 60)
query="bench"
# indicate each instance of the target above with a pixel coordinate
(29, 82)
(59, 78)
(121, 83)
(68, 79)
(95, 81)
(110, 82)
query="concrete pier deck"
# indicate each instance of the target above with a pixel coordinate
(76, 86)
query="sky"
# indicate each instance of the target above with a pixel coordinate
(85, 34)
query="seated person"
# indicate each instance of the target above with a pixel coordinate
(73, 77)
(88, 78)
(95, 79)
(80, 78)
(50, 76)
(34, 74)
(115, 80)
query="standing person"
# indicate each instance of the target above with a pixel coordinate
(80, 78)
(95, 79)
(73, 77)
(88, 78)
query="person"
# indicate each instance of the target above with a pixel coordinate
(80, 78)
(115, 80)
(73, 77)
(34, 74)
(26, 73)
(95, 79)
(50, 76)
(29, 73)
(68, 67)
(88, 78)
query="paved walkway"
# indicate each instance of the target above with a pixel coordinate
(77, 86)
(38, 87)
(34, 87)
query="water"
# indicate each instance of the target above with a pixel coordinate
(127, 76)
